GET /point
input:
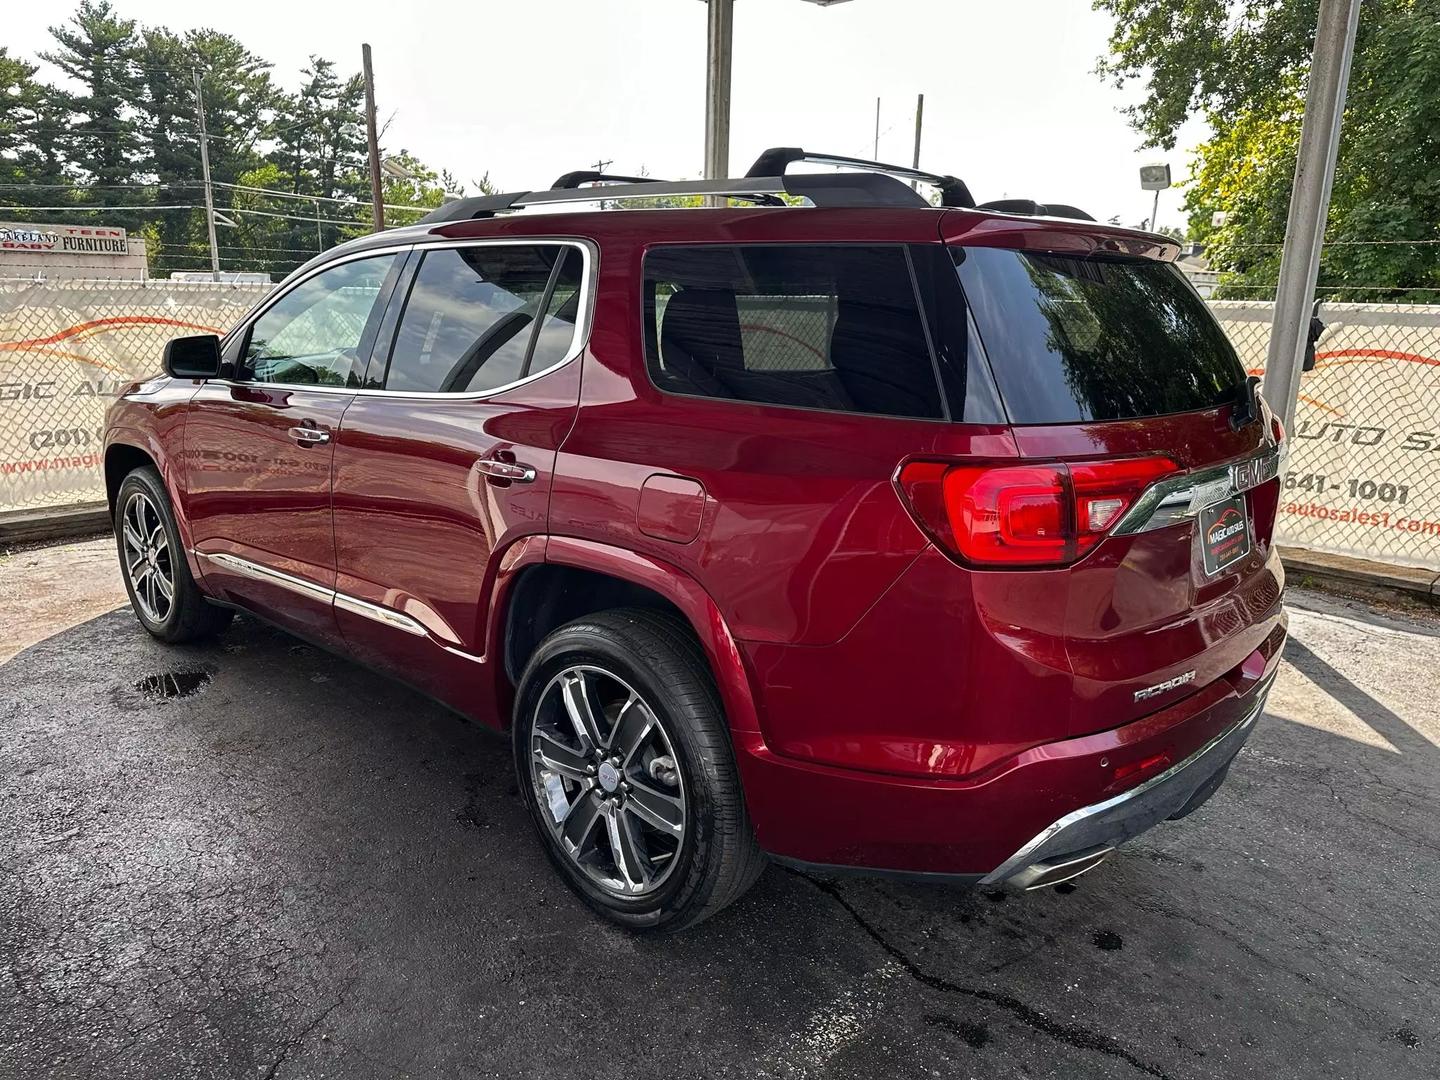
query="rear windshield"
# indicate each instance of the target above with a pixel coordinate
(1074, 339)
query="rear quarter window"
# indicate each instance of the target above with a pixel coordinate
(810, 326)
(1077, 339)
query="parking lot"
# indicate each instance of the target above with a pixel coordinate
(253, 859)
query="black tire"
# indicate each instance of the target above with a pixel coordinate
(189, 616)
(656, 654)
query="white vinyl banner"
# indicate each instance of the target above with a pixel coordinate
(1363, 477)
(66, 349)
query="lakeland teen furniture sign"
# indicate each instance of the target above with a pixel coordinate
(64, 239)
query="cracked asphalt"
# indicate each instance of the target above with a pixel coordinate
(295, 868)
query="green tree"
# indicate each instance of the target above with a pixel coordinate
(121, 133)
(96, 49)
(238, 97)
(1243, 66)
(31, 123)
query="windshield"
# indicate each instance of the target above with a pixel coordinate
(1074, 339)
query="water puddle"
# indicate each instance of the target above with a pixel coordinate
(173, 685)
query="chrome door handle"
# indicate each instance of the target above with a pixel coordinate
(506, 470)
(309, 435)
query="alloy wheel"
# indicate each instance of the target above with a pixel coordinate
(149, 562)
(606, 781)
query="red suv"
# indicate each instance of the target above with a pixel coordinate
(925, 540)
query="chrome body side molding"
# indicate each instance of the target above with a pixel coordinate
(386, 616)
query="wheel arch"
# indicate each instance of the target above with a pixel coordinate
(121, 459)
(581, 577)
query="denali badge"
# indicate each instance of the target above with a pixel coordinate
(1168, 684)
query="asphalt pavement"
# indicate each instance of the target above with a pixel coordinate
(253, 859)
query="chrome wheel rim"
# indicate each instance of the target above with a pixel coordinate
(149, 562)
(606, 781)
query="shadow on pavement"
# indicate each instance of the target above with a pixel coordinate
(299, 868)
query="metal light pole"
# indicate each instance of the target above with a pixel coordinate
(919, 121)
(1310, 202)
(720, 22)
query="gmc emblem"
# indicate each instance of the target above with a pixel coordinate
(1245, 475)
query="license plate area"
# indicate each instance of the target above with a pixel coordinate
(1224, 534)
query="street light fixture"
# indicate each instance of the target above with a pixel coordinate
(1154, 178)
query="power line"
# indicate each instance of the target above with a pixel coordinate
(105, 209)
(1328, 243)
(314, 198)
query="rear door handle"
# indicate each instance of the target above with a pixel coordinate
(303, 434)
(506, 470)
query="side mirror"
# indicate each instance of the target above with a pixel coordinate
(195, 357)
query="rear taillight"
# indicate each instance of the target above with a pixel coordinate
(1025, 515)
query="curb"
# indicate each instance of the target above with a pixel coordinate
(39, 526)
(1371, 580)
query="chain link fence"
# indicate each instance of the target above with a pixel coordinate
(1361, 479)
(1365, 446)
(67, 348)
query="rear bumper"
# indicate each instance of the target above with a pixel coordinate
(1049, 804)
(1082, 838)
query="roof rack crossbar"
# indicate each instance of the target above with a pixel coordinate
(590, 176)
(477, 206)
(773, 162)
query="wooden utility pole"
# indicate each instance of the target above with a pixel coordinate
(876, 155)
(377, 197)
(719, 31)
(205, 176)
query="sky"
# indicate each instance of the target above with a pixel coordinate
(526, 91)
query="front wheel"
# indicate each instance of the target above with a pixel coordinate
(624, 761)
(162, 592)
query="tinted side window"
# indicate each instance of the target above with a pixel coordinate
(822, 327)
(313, 334)
(471, 317)
(555, 336)
(1075, 339)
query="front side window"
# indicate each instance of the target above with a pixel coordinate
(813, 326)
(483, 317)
(312, 335)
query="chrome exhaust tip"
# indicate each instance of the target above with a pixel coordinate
(1054, 871)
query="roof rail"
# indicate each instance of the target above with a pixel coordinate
(773, 162)
(484, 206)
(573, 180)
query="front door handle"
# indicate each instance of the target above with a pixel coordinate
(305, 435)
(510, 471)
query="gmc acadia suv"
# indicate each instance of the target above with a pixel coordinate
(930, 540)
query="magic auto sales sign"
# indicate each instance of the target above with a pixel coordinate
(64, 239)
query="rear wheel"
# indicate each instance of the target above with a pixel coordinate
(624, 761)
(157, 577)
